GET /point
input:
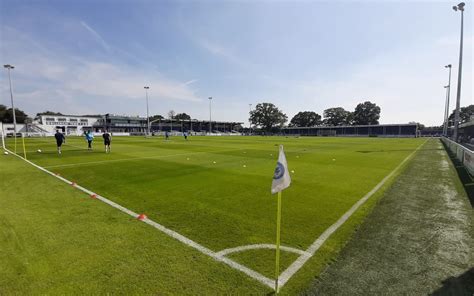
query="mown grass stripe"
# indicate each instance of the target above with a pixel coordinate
(253, 274)
(311, 250)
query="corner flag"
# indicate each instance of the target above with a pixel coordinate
(281, 181)
(281, 177)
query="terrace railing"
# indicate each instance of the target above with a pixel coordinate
(462, 153)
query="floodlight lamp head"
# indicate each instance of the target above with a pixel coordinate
(448, 66)
(7, 66)
(460, 6)
(146, 87)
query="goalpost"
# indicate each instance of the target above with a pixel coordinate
(2, 135)
(4, 147)
(24, 146)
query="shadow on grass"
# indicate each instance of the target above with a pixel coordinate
(460, 285)
(466, 179)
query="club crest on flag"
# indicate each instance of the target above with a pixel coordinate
(281, 176)
(279, 171)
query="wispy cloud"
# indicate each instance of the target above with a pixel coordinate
(222, 51)
(241, 53)
(51, 79)
(406, 84)
(190, 82)
(104, 79)
(96, 36)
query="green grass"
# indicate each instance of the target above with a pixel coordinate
(56, 240)
(424, 223)
(219, 205)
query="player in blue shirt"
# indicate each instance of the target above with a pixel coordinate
(89, 139)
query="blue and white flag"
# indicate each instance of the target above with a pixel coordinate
(281, 178)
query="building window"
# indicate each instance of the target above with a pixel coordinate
(72, 120)
(83, 120)
(61, 119)
(49, 119)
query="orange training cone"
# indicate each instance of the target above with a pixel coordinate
(141, 217)
(93, 195)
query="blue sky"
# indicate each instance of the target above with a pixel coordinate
(93, 57)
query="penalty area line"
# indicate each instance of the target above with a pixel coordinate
(215, 255)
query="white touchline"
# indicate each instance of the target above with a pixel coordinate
(220, 256)
(311, 250)
(253, 274)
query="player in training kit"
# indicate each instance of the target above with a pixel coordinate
(185, 135)
(59, 140)
(89, 139)
(107, 138)
(167, 136)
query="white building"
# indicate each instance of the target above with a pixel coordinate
(76, 125)
(47, 125)
(68, 124)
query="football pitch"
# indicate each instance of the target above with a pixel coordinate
(213, 193)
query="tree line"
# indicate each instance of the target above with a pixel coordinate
(6, 115)
(171, 115)
(268, 117)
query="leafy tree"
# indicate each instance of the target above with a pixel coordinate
(420, 125)
(47, 112)
(366, 113)
(267, 116)
(350, 118)
(237, 127)
(92, 115)
(171, 114)
(3, 111)
(156, 117)
(306, 119)
(6, 115)
(465, 114)
(336, 116)
(182, 116)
